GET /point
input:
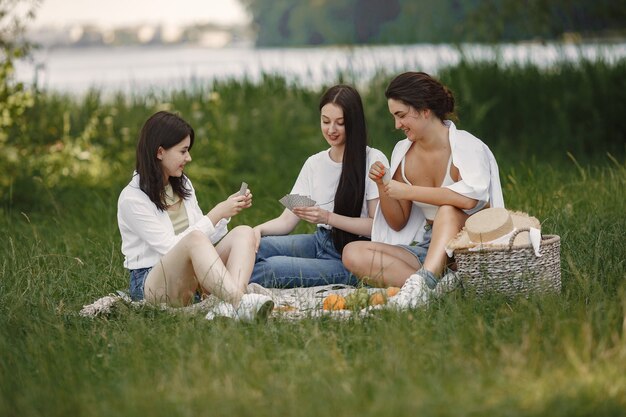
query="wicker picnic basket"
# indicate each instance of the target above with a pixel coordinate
(512, 271)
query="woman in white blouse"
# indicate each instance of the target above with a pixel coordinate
(170, 247)
(438, 177)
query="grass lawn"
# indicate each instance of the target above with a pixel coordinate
(65, 160)
(557, 355)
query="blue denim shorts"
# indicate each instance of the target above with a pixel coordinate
(137, 282)
(420, 249)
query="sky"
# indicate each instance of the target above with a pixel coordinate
(110, 13)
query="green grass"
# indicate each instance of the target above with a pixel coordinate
(558, 355)
(562, 355)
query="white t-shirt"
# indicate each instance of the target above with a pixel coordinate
(319, 178)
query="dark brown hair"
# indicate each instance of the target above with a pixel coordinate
(162, 129)
(421, 91)
(351, 189)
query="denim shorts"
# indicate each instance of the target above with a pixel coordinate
(137, 282)
(420, 249)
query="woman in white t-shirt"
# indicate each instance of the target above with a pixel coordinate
(170, 247)
(336, 179)
(439, 175)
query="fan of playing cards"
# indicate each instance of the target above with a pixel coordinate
(296, 200)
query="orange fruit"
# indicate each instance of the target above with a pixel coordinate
(334, 302)
(391, 291)
(377, 298)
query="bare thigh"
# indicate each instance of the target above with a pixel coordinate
(172, 280)
(380, 264)
(235, 237)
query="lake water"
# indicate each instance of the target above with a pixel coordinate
(136, 69)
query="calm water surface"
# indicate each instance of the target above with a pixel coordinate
(137, 69)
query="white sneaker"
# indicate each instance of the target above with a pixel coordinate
(254, 307)
(221, 309)
(448, 283)
(413, 294)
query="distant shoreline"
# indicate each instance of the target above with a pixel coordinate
(135, 68)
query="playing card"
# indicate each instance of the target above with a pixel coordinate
(285, 201)
(243, 188)
(296, 200)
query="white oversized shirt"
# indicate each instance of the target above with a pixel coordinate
(319, 178)
(480, 180)
(148, 233)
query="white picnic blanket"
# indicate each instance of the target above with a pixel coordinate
(290, 304)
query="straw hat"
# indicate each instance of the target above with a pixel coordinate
(493, 226)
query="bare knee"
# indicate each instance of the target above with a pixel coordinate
(448, 211)
(353, 254)
(195, 238)
(450, 214)
(243, 235)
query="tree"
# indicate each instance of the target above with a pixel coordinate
(302, 22)
(15, 99)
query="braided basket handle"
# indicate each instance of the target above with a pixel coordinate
(517, 232)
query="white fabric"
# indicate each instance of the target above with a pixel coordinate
(480, 181)
(319, 178)
(147, 232)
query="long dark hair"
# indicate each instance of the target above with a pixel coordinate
(421, 91)
(351, 188)
(162, 129)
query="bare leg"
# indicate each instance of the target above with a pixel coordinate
(448, 222)
(236, 250)
(379, 264)
(192, 261)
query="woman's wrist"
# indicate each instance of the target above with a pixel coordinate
(328, 217)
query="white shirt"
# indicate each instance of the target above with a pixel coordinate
(319, 178)
(480, 181)
(148, 233)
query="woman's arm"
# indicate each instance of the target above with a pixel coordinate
(437, 196)
(361, 226)
(281, 225)
(138, 217)
(396, 211)
(230, 207)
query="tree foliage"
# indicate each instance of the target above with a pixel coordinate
(306, 22)
(38, 136)
(15, 99)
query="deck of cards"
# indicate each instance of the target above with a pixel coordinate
(296, 200)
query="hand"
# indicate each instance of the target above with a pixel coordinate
(377, 170)
(231, 206)
(397, 190)
(313, 214)
(257, 237)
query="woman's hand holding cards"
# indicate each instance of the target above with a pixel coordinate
(232, 205)
(313, 214)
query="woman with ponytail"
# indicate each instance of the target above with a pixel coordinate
(336, 179)
(439, 175)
